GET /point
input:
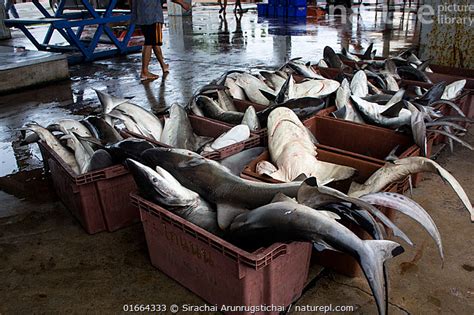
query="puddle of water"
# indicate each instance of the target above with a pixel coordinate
(8, 162)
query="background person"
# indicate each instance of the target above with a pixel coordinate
(223, 7)
(148, 14)
(10, 8)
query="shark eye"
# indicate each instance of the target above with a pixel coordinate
(155, 179)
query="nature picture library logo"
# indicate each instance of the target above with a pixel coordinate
(456, 14)
(427, 14)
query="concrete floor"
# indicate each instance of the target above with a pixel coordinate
(49, 264)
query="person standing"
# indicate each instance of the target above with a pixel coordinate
(148, 14)
(10, 8)
(223, 7)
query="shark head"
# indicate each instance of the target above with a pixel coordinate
(160, 186)
(129, 148)
(171, 158)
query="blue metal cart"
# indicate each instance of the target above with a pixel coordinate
(71, 24)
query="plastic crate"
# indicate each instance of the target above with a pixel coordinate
(242, 106)
(273, 2)
(210, 128)
(281, 11)
(262, 9)
(98, 199)
(465, 101)
(297, 11)
(262, 133)
(362, 141)
(366, 141)
(272, 10)
(340, 262)
(364, 168)
(301, 11)
(291, 11)
(217, 271)
(283, 2)
(297, 3)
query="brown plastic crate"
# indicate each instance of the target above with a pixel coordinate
(362, 141)
(331, 73)
(438, 69)
(465, 101)
(364, 168)
(411, 151)
(242, 106)
(210, 128)
(367, 142)
(263, 133)
(98, 199)
(217, 271)
(340, 262)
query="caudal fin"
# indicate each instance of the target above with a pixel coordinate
(372, 259)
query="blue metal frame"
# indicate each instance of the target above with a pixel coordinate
(65, 22)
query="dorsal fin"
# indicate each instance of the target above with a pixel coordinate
(368, 52)
(300, 178)
(268, 95)
(392, 155)
(279, 197)
(394, 110)
(424, 64)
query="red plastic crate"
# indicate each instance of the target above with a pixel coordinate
(340, 262)
(210, 128)
(242, 106)
(449, 75)
(217, 271)
(437, 69)
(98, 199)
(465, 101)
(263, 133)
(364, 167)
(363, 141)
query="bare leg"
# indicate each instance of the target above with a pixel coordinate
(146, 56)
(220, 4)
(159, 55)
(237, 4)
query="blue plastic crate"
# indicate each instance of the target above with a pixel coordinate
(291, 11)
(262, 9)
(272, 10)
(299, 12)
(273, 2)
(297, 3)
(283, 2)
(282, 11)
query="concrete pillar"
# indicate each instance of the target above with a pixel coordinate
(176, 9)
(448, 39)
(4, 31)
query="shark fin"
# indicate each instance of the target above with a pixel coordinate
(226, 213)
(340, 113)
(394, 110)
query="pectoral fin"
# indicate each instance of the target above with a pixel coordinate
(226, 214)
(394, 110)
(340, 113)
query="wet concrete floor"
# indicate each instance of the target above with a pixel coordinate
(50, 264)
